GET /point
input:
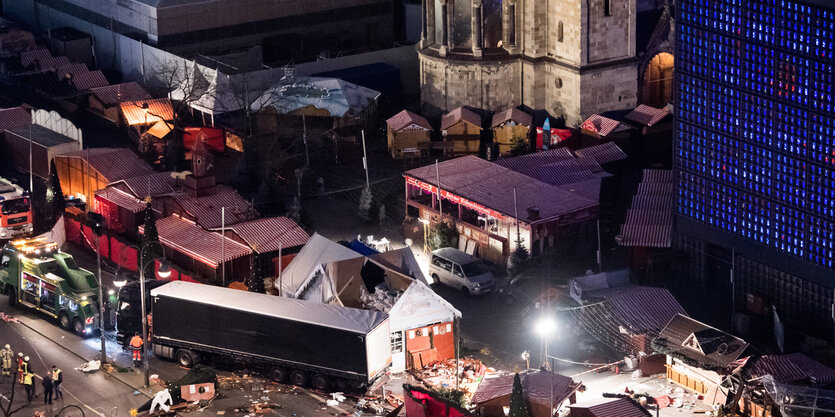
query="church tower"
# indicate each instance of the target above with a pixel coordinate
(572, 58)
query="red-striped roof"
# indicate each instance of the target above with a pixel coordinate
(265, 235)
(186, 237)
(458, 115)
(41, 55)
(611, 407)
(111, 95)
(649, 220)
(14, 117)
(207, 210)
(121, 199)
(645, 309)
(513, 114)
(113, 164)
(90, 79)
(155, 184)
(158, 109)
(537, 387)
(72, 70)
(405, 119)
(603, 126)
(602, 153)
(647, 115)
(793, 368)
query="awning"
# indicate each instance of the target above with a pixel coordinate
(649, 221)
(121, 199)
(159, 130)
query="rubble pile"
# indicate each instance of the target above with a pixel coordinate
(441, 374)
(382, 299)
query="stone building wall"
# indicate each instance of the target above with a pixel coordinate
(609, 88)
(447, 84)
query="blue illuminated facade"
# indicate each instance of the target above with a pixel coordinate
(755, 130)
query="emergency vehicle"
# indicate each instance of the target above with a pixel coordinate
(15, 210)
(36, 275)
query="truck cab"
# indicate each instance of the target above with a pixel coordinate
(36, 275)
(15, 210)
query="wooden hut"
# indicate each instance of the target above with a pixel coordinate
(510, 125)
(406, 131)
(104, 101)
(463, 128)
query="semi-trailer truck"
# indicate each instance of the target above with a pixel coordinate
(326, 346)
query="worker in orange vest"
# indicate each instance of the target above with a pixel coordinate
(136, 346)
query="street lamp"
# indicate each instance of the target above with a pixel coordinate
(544, 327)
(164, 271)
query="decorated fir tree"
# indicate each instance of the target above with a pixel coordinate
(518, 408)
(150, 235)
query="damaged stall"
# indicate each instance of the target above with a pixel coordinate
(422, 323)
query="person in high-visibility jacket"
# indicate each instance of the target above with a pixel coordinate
(23, 367)
(19, 367)
(28, 384)
(136, 347)
(7, 356)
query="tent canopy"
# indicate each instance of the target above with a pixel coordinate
(319, 250)
(420, 306)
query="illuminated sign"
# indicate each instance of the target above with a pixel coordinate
(454, 198)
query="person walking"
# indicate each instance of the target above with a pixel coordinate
(47, 385)
(136, 347)
(28, 384)
(7, 355)
(57, 378)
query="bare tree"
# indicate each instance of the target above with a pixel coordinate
(186, 83)
(7, 398)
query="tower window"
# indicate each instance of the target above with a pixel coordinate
(607, 7)
(559, 32)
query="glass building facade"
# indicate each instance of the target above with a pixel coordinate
(755, 131)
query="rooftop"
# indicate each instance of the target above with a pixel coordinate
(405, 119)
(459, 114)
(536, 385)
(112, 95)
(186, 237)
(515, 115)
(207, 210)
(271, 233)
(609, 407)
(492, 185)
(41, 135)
(689, 338)
(158, 109)
(14, 117)
(114, 164)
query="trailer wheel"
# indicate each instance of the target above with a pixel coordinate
(435, 279)
(279, 374)
(299, 378)
(187, 358)
(78, 327)
(64, 321)
(320, 382)
(340, 384)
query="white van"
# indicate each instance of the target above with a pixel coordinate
(457, 269)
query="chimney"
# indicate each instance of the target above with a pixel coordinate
(533, 213)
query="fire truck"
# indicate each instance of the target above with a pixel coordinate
(15, 210)
(36, 275)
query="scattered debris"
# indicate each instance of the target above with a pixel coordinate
(441, 374)
(91, 366)
(8, 318)
(338, 397)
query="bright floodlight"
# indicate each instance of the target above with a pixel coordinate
(164, 270)
(120, 279)
(545, 326)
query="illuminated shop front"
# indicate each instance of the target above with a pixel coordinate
(478, 196)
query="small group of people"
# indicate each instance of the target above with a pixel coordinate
(52, 379)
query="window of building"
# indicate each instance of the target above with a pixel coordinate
(492, 12)
(559, 32)
(397, 342)
(607, 7)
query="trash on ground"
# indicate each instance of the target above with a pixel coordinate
(91, 366)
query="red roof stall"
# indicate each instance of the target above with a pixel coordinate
(538, 388)
(270, 238)
(104, 101)
(608, 407)
(201, 251)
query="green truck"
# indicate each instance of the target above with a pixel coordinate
(35, 274)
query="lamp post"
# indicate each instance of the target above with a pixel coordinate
(545, 327)
(164, 272)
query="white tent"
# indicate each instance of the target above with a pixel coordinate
(419, 306)
(318, 251)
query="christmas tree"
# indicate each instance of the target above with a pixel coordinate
(150, 235)
(517, 399)
(54, 195)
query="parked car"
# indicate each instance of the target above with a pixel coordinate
(452, 267)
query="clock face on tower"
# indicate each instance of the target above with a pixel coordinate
(200, 158)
